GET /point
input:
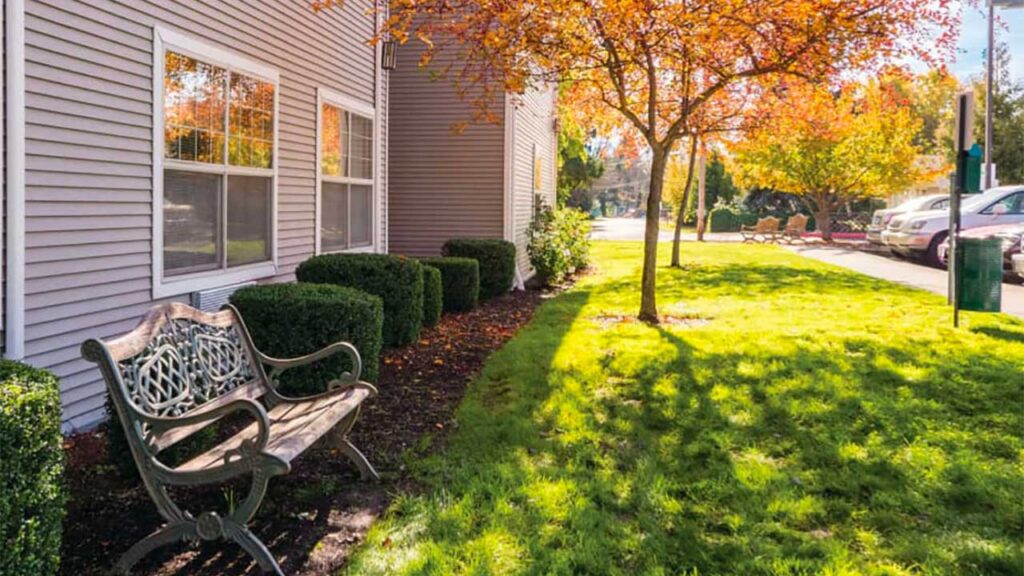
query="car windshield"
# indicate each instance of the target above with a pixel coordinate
(980, 201)
(915, 204)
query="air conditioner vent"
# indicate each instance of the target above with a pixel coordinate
(213, 300)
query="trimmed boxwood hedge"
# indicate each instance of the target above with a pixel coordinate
(497, 260)
(397, 280)
(31, 469)
(433, 298)
(289, 320)
(460, 281)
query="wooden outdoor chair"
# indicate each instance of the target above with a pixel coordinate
(796, 226)
(182, 370)
(766, 230)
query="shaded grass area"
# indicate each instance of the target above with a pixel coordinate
(821, 422)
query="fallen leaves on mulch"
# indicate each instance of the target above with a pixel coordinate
(315, 516)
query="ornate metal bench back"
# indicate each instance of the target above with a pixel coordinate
(179, 359)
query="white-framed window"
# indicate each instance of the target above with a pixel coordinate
(346, 174)
(215, 166)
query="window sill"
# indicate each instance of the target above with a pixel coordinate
(187, 284)
(360, 250)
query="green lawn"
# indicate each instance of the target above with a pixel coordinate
(819, 422)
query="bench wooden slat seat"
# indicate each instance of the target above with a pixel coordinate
(181, 370)
(294, 427)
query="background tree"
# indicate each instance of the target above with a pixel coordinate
(932, 98)
(1007, 121)
(579, 166)
(657, 62)
(830, 149)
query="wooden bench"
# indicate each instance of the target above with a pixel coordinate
(182, 370)
(796, 226)
(766, 230)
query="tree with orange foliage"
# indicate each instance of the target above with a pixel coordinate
(656, 63)
(830, 149)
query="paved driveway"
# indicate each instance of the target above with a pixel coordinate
(903, 272)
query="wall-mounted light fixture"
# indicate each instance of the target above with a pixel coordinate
(389, 55)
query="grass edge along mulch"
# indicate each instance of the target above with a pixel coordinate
(313, 517)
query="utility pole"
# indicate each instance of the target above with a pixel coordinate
(989, 87)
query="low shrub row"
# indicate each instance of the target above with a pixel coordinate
(31, 471)
(433, 299)
(496, 259)
(559, 243)
(460, 281)
(396, 280)
(289, 320)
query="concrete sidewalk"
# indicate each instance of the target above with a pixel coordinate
(902, 272)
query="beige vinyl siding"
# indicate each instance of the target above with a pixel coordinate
(89, 153)
(441, 184)
(534, 124)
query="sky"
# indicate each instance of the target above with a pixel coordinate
(970, 59)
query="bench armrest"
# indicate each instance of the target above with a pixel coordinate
(159, 424)
(346, 380)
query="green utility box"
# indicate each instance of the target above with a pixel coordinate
(980, 271)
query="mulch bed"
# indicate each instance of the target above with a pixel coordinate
(315, 516)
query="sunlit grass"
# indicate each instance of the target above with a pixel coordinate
(821, 422)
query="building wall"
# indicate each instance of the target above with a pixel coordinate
(534, 126)
(442, 184)
(88, 207)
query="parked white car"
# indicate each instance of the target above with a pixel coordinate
(921, 233)
(881, 218)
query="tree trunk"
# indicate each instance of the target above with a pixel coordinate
(682, 205)
(648, 283)
(823, 219)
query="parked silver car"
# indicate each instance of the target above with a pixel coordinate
(880, 219)
(921, 233)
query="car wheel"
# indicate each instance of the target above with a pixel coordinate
(931, 257)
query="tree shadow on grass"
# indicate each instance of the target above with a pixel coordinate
(1001, 333)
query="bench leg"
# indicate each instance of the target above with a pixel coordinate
(341, 442)
(251, 544)
(365, 468)
(167, 534)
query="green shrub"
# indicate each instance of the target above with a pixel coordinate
(460, 281)
(433, 298)
(725, 219)
(31, 469)
(397, 280)
(289, 320)
(497, 259)
(559, 243)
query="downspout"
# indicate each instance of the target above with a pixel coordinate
(14, 164)
(509, 221)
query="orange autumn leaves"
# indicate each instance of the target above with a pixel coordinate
(853, 142)
(657, 63)
(830, 147)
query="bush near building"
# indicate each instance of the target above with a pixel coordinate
(31, 471)
(497, 259)
(397, 280)
(460, 280)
